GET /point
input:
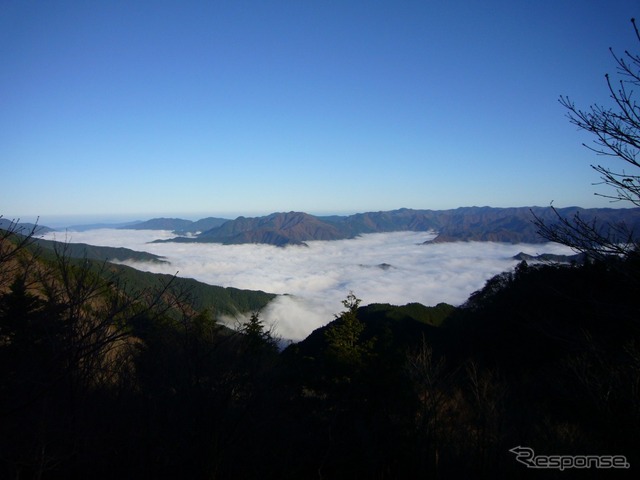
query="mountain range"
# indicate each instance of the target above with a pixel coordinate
(509, 225)
(177, 225)
(23, 228)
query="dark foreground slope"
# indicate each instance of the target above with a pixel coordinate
(545, 357)
(99, 382)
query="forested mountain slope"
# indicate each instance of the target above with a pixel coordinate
(512, 225)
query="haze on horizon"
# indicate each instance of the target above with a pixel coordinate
(139, 109)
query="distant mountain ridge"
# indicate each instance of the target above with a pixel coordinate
(275, 229)
(551, 258)
(23, 227)
(509, 225)
(179, 226)
(94, 252)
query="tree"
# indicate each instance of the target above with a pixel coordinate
(428, 376)
(259, 337)
(14, 240)
(343, 337)
(66, 352)
(617, 132)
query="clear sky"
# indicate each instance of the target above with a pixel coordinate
(181, 108)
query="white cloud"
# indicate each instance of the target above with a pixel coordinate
(394, 268)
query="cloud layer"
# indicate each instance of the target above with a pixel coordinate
(394, 268)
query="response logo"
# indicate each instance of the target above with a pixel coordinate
(526, 456)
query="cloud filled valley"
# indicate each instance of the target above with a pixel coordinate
(395, 268)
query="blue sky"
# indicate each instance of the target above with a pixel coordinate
(139, 109)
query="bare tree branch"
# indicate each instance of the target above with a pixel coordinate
(617, 135)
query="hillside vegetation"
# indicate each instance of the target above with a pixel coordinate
(106, 372)
(93, 252)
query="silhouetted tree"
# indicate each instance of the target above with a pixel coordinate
(343, 337)
(65, 348)
(429, 378)
(256, 333)
(14, 240)
(617, 132)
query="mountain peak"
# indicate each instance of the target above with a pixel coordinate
(510, 225)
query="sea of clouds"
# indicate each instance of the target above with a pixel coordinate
(395, 268)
